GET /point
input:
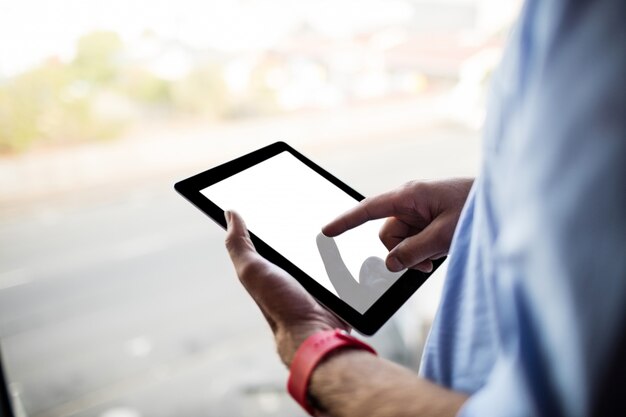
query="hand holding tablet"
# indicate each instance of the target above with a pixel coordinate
(285, 200)
(291, 312)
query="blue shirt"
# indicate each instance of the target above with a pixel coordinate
(534, 302)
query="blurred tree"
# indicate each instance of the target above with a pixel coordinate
(98, 57)
(147, 88)
(101, 90)
(53, 103)
(203, 92)
(261, 95)
(25, 99)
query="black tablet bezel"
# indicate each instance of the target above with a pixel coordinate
(6, 408)
(367, 323)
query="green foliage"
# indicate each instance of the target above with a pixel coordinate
(99, 92)
(25, 103)
(98, 57)
(202, 92)
(146, 88)
(54, 102)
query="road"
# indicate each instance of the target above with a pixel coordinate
(122, 303)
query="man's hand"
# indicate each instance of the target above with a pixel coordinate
(351, 383)
(421, 220)
(290, 311)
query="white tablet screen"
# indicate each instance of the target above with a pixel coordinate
(286, 204)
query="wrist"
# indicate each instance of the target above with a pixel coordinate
(315, 349)
(289, 339)
(324, 383)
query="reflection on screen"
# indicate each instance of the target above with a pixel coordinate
(286, 203)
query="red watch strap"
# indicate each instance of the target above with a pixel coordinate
(315, 348)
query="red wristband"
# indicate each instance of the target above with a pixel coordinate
(310, 353)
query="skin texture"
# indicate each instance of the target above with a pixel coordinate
(420, 225)
(421, 218)
(291, 312)
(356, 383)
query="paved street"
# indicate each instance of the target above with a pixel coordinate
(122, 303)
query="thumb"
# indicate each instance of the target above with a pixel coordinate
(417, 250)
(238, 243)
(245, 259)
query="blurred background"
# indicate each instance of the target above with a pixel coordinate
(117, 298)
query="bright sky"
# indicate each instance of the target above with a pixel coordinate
(33, 29)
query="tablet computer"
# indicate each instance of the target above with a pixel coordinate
(286, 199)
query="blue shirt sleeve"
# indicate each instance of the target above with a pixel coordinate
(559, 190)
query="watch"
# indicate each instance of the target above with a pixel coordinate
(310, 353)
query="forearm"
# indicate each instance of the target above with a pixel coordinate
(356, 383)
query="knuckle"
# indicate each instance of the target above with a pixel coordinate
(383, 235)
(235, 242)
(407, 185)
(386, 238)
(403, 254)
(231, 242)
(250, 268)
(418, 187)
(407, 195)
(366, 201)
(408, 254)
(439, 236)
(410, 185)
